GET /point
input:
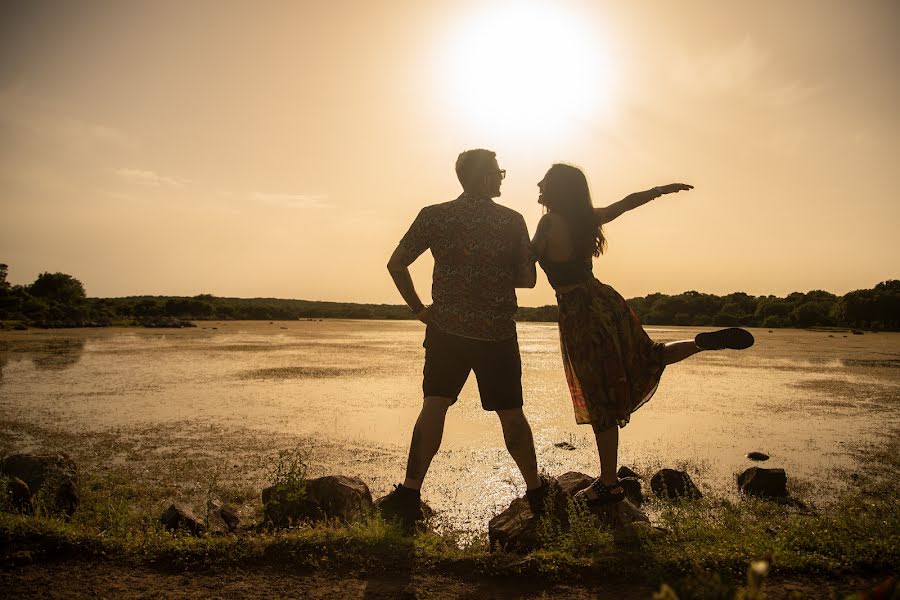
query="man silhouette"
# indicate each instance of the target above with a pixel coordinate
(481, 254)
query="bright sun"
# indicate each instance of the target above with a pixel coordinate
(527, 66)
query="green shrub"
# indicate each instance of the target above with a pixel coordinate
(287, 478)
(581, 539)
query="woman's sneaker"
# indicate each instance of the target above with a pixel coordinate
(732, 338)
(403, 505)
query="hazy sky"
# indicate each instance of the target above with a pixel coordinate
(281, 149)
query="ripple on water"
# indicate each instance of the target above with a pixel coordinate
(277, 373)
(841, 393)
(891, 363)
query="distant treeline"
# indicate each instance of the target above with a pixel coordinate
(877, 308)
(59, 300)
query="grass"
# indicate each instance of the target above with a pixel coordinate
(702, 544)
(861, 533)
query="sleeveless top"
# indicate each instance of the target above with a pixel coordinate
(567, 272)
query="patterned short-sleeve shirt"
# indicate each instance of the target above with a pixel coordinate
(478, 247)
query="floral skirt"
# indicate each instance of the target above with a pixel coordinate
(611, 364)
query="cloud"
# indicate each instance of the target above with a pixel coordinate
(142, 177)
(31, 116)
(292, 200)
(730, 69)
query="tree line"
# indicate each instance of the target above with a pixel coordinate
(59, 300)
(877, 308)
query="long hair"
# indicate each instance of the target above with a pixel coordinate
(565, 192)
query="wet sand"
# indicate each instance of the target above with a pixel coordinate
(228, 395)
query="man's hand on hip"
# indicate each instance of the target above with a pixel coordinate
(424, 315)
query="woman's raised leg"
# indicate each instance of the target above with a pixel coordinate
(678, 351)
(733, 338)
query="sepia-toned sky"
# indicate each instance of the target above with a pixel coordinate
(281, 149)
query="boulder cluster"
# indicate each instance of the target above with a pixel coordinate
(48, 484)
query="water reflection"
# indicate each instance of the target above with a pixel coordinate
(59, 354)
(890, 363)
(56, 354)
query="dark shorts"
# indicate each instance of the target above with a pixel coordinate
(498, 368)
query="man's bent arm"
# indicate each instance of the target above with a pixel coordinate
(398, 266)
(526, 276)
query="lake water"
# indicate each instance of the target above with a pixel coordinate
(349, 392)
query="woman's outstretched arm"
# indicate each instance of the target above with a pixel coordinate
(606, 214)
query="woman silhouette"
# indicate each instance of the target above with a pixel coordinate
(611, 364)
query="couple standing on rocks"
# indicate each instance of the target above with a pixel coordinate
(482, 253)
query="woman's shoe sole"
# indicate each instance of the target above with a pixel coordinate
(732, 338)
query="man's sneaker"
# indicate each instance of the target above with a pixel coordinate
(733, 338)
(537, 498)
(403, 505)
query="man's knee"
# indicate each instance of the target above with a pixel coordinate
(437, 403)
(512, 417)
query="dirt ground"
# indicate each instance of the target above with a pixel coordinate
(109, 579)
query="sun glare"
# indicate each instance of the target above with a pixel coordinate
(527, 68)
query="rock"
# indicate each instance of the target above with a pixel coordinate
(632, 487)
(330, 497)
(618, 515)
(222, 518)
(760, 456)
(573, 482)
(180, 516)
(339, 497)
(564, 445)
(516, 528)
(52, 480)
(19, 496)
(624, 472)
(230, 516)
(669, 483)
(763, 483)
(215, 525)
